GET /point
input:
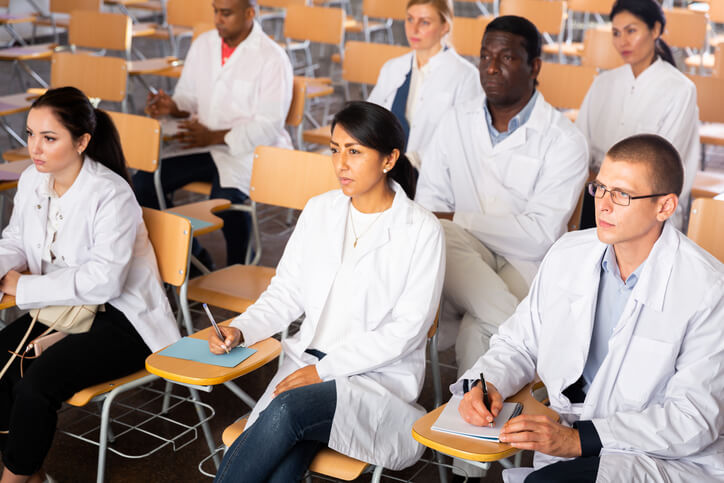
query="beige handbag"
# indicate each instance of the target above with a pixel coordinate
(71, 319)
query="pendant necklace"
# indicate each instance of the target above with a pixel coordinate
(354, 231)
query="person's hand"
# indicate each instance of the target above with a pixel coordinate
(193, 134)
(160, 104)
(473, 410)
(444, 215)
(301, 377)
(232, 338)
(540, 433)
(9, 283)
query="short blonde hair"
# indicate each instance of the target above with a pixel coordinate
(444, 8)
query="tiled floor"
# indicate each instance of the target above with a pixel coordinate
(73, 461)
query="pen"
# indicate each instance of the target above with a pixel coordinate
(216, 327)
(486, 398)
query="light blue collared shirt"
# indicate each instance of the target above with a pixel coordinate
(613, 293)
(517, 121)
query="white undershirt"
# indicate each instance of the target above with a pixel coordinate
(332, 327)
(417, 80)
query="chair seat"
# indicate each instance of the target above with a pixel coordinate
(17, 154)
(694, 61)
(327, 462)
(356, 26)
(712, 133)
(163, 66)
(320, 135)
(28, 52)
(574, 49)
(315, 90)
(143, 29)
(707, 184)
(162, 32)
(8, 18)
(199, 187)
(81, 398)
(233, 288)
(150, 5)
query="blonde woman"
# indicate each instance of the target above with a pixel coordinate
(420, 86)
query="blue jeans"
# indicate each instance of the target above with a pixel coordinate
(282, 443)
(177, 172)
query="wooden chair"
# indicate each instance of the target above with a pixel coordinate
(598, 49)
(584, 9)
(547, 15)
(565, 85)
(385, 10)
(362, 64)
(9, 20)
(467, 35)
(181, 17)
(170, 236)
(304, 25)
(280, 177)
(58, 14)
(711, 112)
(483, 9)
(274, 10)
(686, 29)
(706, 226)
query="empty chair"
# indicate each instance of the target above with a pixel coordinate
(564, 85)
(305, 25)
(706, 225)
(598, 49)
(686, 29)
(467, 35)
(711, 112)
(547, 15)
(385, 10)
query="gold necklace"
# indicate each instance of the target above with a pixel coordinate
(354, 231)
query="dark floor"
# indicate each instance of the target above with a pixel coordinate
(73, 461)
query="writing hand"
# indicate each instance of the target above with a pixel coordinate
(9, 283)
(193, 134)
(160, 104)
(473, 410)
(540, 433)
(301, 377)
(232, 338)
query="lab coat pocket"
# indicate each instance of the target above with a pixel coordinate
(521, 174)
(648, 364)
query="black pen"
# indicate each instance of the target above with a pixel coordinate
(486, 398)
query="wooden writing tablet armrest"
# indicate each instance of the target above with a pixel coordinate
(472, 449)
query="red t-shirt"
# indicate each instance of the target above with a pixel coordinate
(226, 52)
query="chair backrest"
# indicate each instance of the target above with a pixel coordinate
(140, 140)
(574, 222)
(718, 70)
(170, 236)
(100, 30)
(201, 28)
(547, 15)
(295, 116)
(602, 7)
(598, 49)
(188, 13)
(685, 28)
(709, 97)
(280, 3)
(394, 9)
(706, 225)
(288, 178)
(324, 25)
(363, 60)
(565, 85)
(716, 11)
(67, 6)
(103, 77)
(467, 34)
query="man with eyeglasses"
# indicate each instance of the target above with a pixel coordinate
(623, 324)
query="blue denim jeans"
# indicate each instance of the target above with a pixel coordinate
(282, 443)
(179, 171)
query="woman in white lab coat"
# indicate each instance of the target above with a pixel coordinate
(365, 266)
(646, 95)
(78, 230)
(420, 86)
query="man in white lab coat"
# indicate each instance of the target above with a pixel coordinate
(235, 90)
(623, 324)
(507, 169)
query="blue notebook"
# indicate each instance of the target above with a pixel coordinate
(198, 350)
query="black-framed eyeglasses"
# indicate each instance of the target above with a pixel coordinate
(597, 190)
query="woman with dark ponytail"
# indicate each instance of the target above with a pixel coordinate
(365, 265)
(77, 234)
(648, 95)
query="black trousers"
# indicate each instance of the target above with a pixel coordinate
(579, 470)
(29, 404)
(177, 172)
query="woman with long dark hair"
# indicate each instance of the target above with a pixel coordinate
(647, 95)
(365, 265)
(77, 229)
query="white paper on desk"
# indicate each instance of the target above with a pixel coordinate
(169, 126)
(451, 422)
(2, 294)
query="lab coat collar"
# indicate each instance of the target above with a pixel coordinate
(651, 71)
(650, 290)
(252, 42)
(538, 121)
(44, 190)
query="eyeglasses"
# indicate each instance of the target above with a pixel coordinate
(619, 197)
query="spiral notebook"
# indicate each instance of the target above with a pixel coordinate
(451, 422)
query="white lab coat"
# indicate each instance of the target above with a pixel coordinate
(250, 95)
(451, 80)
(661, 100)
(516, 197)
(104, 242)
(379, 368)
(660, 390)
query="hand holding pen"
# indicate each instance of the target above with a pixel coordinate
(223, 339)
(473, 408)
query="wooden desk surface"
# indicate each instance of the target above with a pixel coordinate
(472, 449)
(28, 52)
(203, 211)
(165, 66)
(192, 372)
(7, 302)
(15, 103)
